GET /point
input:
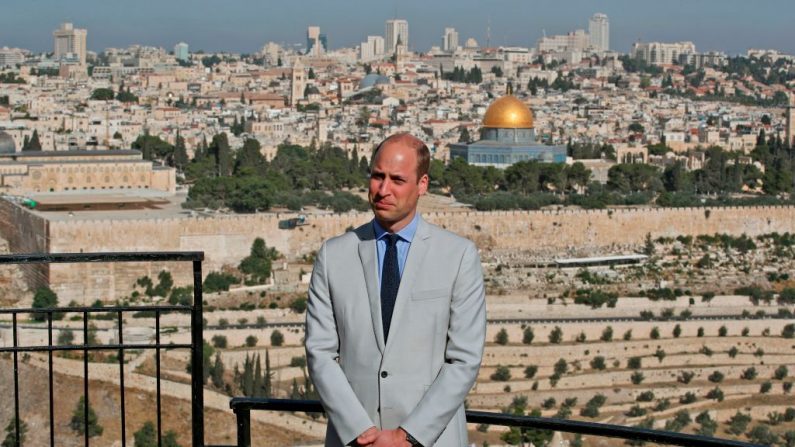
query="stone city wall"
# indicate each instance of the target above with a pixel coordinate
(25, 233)
(226, 239)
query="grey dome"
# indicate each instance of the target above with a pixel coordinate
(372, 80)
(7, 145)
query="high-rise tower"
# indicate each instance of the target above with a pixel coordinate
(450, 40)
(599, 29)
(70, 42)
(397, 30)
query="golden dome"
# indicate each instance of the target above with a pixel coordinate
(508, 112)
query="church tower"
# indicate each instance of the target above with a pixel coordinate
(790, 121)
(297, 82)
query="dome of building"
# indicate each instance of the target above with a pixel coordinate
(508, 112)
(7, 145)
(471, 43)
(372, 80)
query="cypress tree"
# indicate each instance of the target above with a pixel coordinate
(257, 377)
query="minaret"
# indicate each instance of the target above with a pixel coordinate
(297, 82)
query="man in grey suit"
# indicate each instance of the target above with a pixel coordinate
(396, 319)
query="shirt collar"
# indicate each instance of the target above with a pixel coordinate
(406, 234)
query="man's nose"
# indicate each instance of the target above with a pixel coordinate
(383, 188)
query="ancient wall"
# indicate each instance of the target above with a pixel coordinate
(226, 239)
(25, 233)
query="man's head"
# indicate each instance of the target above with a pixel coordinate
(398, 177)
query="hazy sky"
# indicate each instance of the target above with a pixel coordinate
(245, 25)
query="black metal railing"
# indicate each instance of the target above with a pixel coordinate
(242, 407)
(196, 345)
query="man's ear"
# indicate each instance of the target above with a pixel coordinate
(423, 183)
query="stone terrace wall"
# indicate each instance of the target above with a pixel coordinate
(226, 239)
(25, 233)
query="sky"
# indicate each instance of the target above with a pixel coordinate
(731, 26)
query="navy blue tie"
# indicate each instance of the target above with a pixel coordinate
(390, 281)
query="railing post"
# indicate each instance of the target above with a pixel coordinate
(243, 427)
(197, 358)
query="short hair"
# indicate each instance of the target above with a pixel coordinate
(423, 154)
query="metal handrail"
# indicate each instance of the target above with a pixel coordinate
(196, 345)
(242, 407)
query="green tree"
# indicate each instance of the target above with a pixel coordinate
(45, 298)
(219, 148)
(102, 94)
(257, 265)
(556, 335)
(501, 374)
(78, 422)
(502, 337)
(34, 144)
(180, 153)
(217, 373)
(528, 335)
(11, 433)
(277, 338)
(207, 355)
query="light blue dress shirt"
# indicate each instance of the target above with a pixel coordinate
(403, 243)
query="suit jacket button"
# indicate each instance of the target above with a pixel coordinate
(384, 374)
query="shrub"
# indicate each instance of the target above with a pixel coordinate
(634, 363)
(502, 337)
(715, 394)
(708, 425)
(598, 363)
(607, 334)
(219, 282)
(277, 338)
(556, 335)
(251, 341)
(627, 335)
(646, 396)
(700, 332)
(655, 333)
(220, 341)
(79, 422)
(298, 362)
(680, 420)
(733, 351)
(660, 354)
(738, 423)
(298, 305)
(528, 335)
(687, 398)
(501, 374)
(788, 331)
(765, 387)
(662, 405)
(561, 367)
(716, 377)
(749, 374)
(780, 373)
(637, 377)
(677, 331)
(549, 403)
(635, 411)
(762, 435)
(45, 298)
(530, 371)
(722, 331)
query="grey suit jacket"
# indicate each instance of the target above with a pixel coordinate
(417, 380)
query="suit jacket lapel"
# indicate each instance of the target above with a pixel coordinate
(369, 259)
(414, 262)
